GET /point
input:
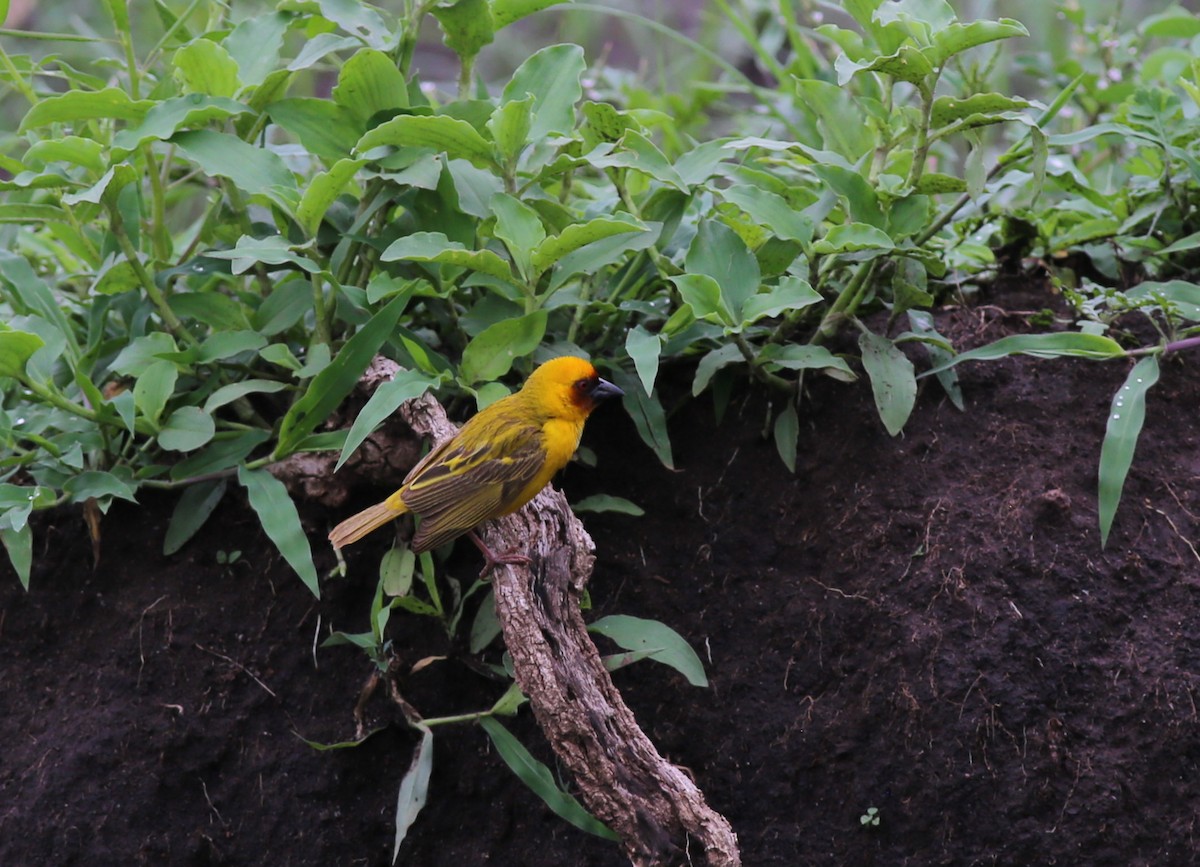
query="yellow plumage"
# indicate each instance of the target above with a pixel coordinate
(497, 463)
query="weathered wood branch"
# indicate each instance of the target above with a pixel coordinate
(654, 806)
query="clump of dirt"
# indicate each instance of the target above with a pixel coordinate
(923, 626)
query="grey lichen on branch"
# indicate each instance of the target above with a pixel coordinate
(623, 779)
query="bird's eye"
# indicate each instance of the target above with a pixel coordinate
(583, 385)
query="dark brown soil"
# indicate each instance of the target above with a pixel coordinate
(923, 625)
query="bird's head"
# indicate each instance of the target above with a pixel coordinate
(569, 387)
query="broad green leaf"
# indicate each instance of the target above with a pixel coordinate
(331, 385)
(19, 545)
(791, 294)
(853, 238)
(206, 67)
(368, 83)
(909, 64)
(667, 645)
(97, 483)
(81, 105)
(860, 197)
(396, 570)
(284, 307)
(1183, 296)
(255, 43)
(607, 503)
(414, 788)
(227, 344)
(719, 253)
(846, 129)
(597, 255)
(509, 703)
(271, 250)
(406, 385)
(85, 152)
(485, 627)
(804, 357)
(252, 169)
(154, 388)
(1125, 419)
(1066, 344)
(322, 191)
(538, 778)
(467, 25)
(509, 125)
(892, 380)
(787, 433)
(106, 189)
(1174, 22)
(491, 353)
(436, 247)
(552, 76)
(456, 138)
(193, 509)
(578, 235)
(281, 522)
(17, 212)
(772, 212)
(702, 294)
(325, 129)
(519, 227)
(31, 496)
(640, 154)
(186, 429)
(644, 348)
(16, 348)
(958, 37)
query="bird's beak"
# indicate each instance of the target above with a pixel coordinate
(604, 390)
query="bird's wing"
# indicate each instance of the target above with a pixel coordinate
(470, 483)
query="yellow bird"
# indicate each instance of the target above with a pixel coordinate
(497, 463)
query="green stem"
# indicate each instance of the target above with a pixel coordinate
(756, 369)
(158, 217)
(924, 141)
(846, 303)
(321, 311)
(15, 78)
(174, 325)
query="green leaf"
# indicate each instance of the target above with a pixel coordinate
(702, 294)
(958, 37)
(711, 363)
(491, 353)
(509, 125)
(331, 385)
(396, 570)
(666, 645)
(853, 238)
(1125, 420)
(892, 380)
(254, 170)
(485, 627)
(505, 12)
(719, 253)
(98, 484)
(16, 348)
(190, 513)
(552, 76)
(538, 778)
(19, 545)
(648, 417)
(80, 105)
(1066, 344)
(322, 191)
(575, 236)
(947, 109)
(509, 703)
(270, 250)
(791, 294)
(639, 153)
(85, 152)
(909, 64)
(519, 227)
(436, 247)
(255, 43)
(787, 433)
(414, 788)
(644, 348)
(281, 522)
(368, 83)
(597, 503)
(219, 455)
(861, 200)
(921, 322)
(186, 429)
(467, 25)
(406, 385)
(206, 67)
(153, 389)
(325, 129)
(1183, 296)
(771, 212)
(456, 138)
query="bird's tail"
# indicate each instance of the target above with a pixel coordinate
(356, 526)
